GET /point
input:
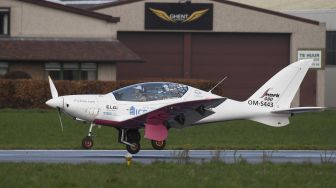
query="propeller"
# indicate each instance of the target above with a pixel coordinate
(60, 117)
(53, 89)
(56, 101)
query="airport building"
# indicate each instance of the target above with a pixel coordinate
(323, 11)
(43, 38)
(135, 39)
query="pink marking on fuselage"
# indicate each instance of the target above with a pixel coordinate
(156, 132)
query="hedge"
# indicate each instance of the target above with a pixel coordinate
(34, 93)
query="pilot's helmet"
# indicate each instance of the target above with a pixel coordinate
(138, 87)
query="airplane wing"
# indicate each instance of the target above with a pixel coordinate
(174, 115)
(201, 107)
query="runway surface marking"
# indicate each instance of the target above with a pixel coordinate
(179, 156)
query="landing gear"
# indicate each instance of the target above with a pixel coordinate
(158, 145)
(87, 142)
(131, 138)
(134, 148)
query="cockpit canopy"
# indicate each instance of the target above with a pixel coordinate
(151, 91)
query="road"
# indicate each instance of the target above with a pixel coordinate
(179, 156)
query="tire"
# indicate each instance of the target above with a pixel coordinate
(158, 145)
(133, 150)
(87, 142)
(133, 134)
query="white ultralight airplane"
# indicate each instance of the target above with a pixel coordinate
(159, 106)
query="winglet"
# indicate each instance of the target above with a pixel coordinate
(53, 89)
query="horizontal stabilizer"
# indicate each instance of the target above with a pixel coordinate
(274, 120)
(298, 110)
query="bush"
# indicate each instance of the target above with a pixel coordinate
(34, 93)
(17, 75)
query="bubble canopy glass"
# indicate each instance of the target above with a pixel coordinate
(151, 91)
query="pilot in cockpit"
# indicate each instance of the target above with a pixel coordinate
(139, 94)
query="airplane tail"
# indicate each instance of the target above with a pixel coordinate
(277, 94)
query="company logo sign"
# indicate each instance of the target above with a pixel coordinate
(178, 16)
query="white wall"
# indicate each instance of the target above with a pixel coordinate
(324, 16)
(30, 20)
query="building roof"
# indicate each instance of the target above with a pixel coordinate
(83, 4)
(114, 3)
(285, 5)
(32, 49)
(246, 6)
(73, 10)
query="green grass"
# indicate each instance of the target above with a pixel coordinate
(214, 174)
(39, 129)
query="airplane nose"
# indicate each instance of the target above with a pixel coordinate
(56, 102)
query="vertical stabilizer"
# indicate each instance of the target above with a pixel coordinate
(279, 91)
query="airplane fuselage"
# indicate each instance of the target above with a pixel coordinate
(106, 110)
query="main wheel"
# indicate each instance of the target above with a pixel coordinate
(87, 142)
(158, 145)
(133, 134)
(133, 149)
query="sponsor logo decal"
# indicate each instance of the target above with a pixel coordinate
(107, 113)
(133, 111)
(266, 93)
(110, 107)
(266, 99)
(198, 92)
(83, 101)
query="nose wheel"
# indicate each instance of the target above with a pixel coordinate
(158, 145)
(87, 142)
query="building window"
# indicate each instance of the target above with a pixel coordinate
(331, 47)
(3, 68)
(88, 71)
(53, 70)
(71, 71)
(4, 21)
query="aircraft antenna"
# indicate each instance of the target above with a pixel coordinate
(217, 84)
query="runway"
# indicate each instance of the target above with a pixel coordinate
(178, 156)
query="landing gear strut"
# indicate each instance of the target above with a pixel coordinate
(131, 138)
(87, 142)
(158, 145)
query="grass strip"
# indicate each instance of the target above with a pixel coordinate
(213, 174)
